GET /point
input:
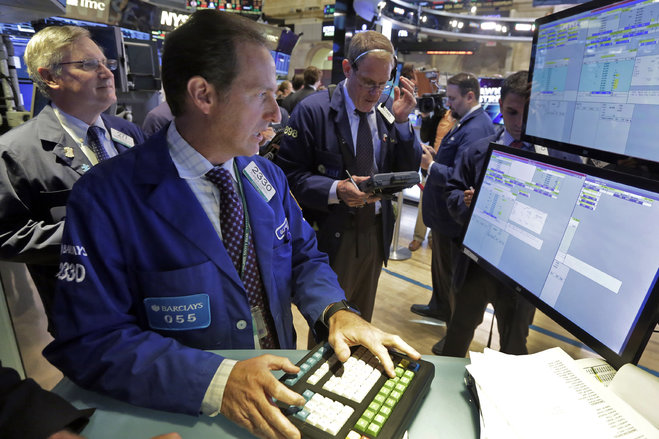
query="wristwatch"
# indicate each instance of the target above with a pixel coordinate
(338, 306)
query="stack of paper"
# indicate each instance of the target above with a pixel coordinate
(547, 395)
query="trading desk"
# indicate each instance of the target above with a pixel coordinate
(446, 413)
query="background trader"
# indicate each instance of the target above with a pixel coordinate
(333, 133)
(191, 244)
(42, 158)
(462, 91)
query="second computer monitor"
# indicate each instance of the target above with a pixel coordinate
(579, 242)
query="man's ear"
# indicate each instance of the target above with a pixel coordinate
(201, 93)
(347, 68)
(48, 77)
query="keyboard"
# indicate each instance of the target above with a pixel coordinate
(356, 399)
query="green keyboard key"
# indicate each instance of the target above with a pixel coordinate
(375, 406)
(368, 415)
(362, 425)
(373, 429)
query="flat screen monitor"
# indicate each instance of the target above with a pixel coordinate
(143, 67)
(490, 94)
(595, 90)
(282, 62)
(577, 241)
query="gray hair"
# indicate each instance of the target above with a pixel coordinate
(47, 49)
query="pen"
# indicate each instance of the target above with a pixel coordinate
(353, 181)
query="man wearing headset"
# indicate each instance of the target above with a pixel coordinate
(355, 129)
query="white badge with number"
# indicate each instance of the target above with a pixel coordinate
(122, 138)
(259, 181)
(384, 111)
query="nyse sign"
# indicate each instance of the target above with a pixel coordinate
(172, 19)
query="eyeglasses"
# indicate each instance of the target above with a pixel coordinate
(372, 87)
(91, 64)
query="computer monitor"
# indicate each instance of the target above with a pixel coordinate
(595, 91)
(490, 94)
(577, 241)
(143, 67)
(282, 62)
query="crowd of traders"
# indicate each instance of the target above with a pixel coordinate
(147, 253)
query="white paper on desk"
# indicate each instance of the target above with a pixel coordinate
(493, 423)
(545, 395)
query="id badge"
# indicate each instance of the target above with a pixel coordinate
(260, 329)
(181, 313)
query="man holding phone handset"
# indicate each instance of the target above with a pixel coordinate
(352, 129)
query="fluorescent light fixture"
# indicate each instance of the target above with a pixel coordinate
(523, 27)
(399, 11)
(488, 25)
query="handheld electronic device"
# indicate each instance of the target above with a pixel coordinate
(386, 185)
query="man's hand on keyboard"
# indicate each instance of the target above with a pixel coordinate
(247, 398)
(347, 329)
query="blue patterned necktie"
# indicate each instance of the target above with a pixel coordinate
(94, 136)
(232, 223)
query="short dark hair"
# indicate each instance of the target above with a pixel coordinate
(206, 46)
(311, 75)
(297, 81)
(466, 82)
(517, 83)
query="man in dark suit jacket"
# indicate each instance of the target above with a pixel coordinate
(463, 93)
(42, 159)
(322, 143)
(312, 76)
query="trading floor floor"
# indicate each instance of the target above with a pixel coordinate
(402, 283)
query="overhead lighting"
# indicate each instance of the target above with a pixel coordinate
(488, 25)
(403, 33)
(474, 9)
(449, 52)
(523, 27)
(460, 25)
(399, 11)
(424, 18)
(504, 29)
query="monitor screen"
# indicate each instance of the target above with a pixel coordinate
(595, 91)
(282, 62)
(578, 241)
(489, 98)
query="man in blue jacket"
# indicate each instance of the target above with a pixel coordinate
(350, 131)
(476, 287)
(187, 243)
(42, 159)
(462, 91)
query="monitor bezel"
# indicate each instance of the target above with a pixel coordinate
(585, 151)
(649, 316)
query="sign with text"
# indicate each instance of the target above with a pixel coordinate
(91, 10)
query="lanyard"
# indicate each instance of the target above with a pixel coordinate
(247, 229)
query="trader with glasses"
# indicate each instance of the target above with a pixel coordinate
(42, 159)
(355, 130)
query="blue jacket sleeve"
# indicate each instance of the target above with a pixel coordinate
(99, 344)
(297, 156)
